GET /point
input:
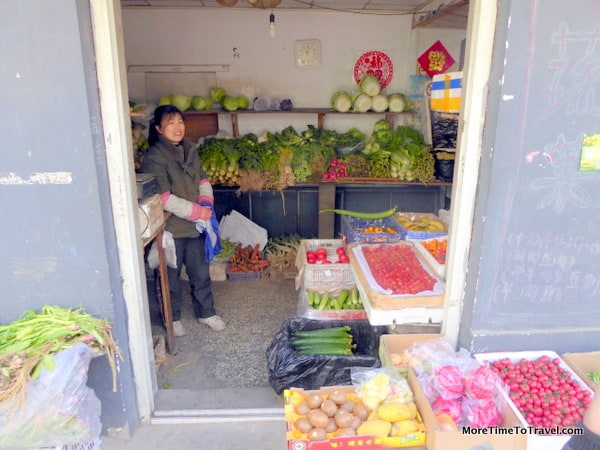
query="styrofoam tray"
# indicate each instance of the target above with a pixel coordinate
(439, 269)
(534, 441)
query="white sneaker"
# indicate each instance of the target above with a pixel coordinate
(178, 329)
(215, 323)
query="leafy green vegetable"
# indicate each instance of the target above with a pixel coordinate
(396, 102)
(164, 101)
(341, 101)
(243, 102)
(370, 85)
(362, 103)
(217, 94)
(181, 101)
(200, 103)
(230, 103)
(379, 103)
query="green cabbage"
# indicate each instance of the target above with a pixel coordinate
(381, 124)
(370, 85)
(362, 103)
(396, 103)
(243, 102)
(200, 103)
(217, 94)
(230, 103)
(164, 101)
(379, 103)
(341, 101)
(182, 102)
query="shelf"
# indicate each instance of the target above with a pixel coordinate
(206, 123)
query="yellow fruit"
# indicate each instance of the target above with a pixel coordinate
(404, 427)
(396, 411)
(376, 427)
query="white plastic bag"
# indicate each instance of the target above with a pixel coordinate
(168, 243)
(238, 228)
(59, 408)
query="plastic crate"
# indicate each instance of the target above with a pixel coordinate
(243, 276)
(322, 275)
(353, 228)
(420, 234)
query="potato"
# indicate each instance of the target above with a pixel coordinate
(314, 401)
(318, 418)
(317, 434)
(303, 425)
(302, 408)
(329, 408)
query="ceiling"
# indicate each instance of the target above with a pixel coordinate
(427, 13)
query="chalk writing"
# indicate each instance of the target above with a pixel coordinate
(576, 72)
(548, 269)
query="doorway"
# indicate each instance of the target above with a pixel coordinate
(479, 42)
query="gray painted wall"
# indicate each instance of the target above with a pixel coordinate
(533, 280)
(55, 216)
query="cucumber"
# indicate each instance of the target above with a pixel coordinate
(332, 331)
(308, 341)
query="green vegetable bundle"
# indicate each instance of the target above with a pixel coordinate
(324, 341)
(29, 344)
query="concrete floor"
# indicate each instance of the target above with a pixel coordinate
(214, 392)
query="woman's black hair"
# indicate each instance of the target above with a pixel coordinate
(159, 113)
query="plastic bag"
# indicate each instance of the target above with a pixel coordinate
(288, 368)
(168, 243)
(458, 385)
(238, 228)
(60, 409)
(376, 386)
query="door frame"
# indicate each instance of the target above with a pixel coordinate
(112, 80)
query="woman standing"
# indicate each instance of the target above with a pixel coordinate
(187, 194)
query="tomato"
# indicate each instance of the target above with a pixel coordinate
(544, 392)
(325, 261)
(343, 258)
(340, 251)
(321, 256)
(321, 250)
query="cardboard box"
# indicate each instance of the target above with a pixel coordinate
(382, 301)
(391, 345)
(534, 441)
(582, 364)
(297, 440)
(445, 440)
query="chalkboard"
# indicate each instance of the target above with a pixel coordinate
(535, 260)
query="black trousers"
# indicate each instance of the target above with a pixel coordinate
(190, 252)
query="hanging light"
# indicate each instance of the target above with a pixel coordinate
(272, 25)
(227, 2)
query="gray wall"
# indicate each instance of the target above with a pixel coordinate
(533, 281)
(55, 217)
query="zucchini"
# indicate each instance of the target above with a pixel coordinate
(361, 215)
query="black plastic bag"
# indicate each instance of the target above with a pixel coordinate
(288, 368)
